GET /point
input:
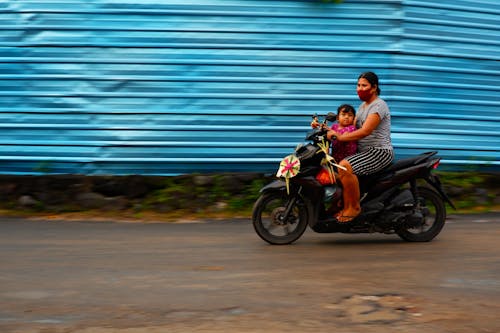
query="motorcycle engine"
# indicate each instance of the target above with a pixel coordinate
(398, 210)
(401, 202)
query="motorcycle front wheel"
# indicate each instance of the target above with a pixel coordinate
(270, 223)
(433, 210)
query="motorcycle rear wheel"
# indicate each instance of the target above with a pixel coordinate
(268, 219)
(434, 212)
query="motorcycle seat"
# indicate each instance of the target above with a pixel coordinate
(367, 181)
(410, 161)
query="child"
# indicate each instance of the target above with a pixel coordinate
(345, 123)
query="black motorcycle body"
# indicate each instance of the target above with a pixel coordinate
(393, 201)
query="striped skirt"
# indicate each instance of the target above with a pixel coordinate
(370, 161)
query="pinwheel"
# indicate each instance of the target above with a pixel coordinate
(289, 167)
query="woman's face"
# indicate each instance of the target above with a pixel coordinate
(365, 90)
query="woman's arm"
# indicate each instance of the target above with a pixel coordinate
(372, 121)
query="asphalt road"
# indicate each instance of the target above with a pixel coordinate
(109, 277)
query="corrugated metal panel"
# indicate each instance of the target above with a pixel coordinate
(442, 87)
(168, 87)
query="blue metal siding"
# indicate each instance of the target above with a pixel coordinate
(168, 87)
(444, 93)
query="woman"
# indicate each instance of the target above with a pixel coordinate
(375, 151)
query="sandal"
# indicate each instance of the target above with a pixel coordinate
(346, 218)
(341, 218)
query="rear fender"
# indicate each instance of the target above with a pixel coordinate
(435, 182)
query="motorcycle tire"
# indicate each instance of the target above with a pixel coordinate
(434, 212)
(268, 223)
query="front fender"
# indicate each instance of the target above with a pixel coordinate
(277, 185)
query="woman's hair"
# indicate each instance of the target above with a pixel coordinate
(372, 78)
(346, 108)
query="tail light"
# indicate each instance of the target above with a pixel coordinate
(436, 164)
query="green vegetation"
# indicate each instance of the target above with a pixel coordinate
(472, 191)
(188, 196)
(226, 195)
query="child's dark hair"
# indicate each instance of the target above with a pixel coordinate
(346, 108)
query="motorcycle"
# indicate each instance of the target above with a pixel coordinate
(393, 201)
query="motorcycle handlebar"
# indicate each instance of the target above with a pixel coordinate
(316, 134)
(320, 129)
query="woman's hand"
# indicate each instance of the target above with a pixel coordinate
(372, 121)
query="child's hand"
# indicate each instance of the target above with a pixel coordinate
(332, 135)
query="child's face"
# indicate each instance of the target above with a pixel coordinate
(345, 118)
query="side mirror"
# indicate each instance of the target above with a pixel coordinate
(331, 116)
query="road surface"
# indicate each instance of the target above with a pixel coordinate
(218, 276)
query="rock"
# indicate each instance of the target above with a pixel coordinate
(454, 191)
(231, 184)
(137, 187)
(27, 201)
(91, 200)
(248, 177)
(116, 203)
(203, 180)
(109, 186)
(221, 205)
(481, 196)
(53, 197)
(7, 189)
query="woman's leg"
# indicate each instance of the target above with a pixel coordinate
(350, 186)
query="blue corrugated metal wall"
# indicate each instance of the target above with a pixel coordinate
(443, 81)
(168, 87)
